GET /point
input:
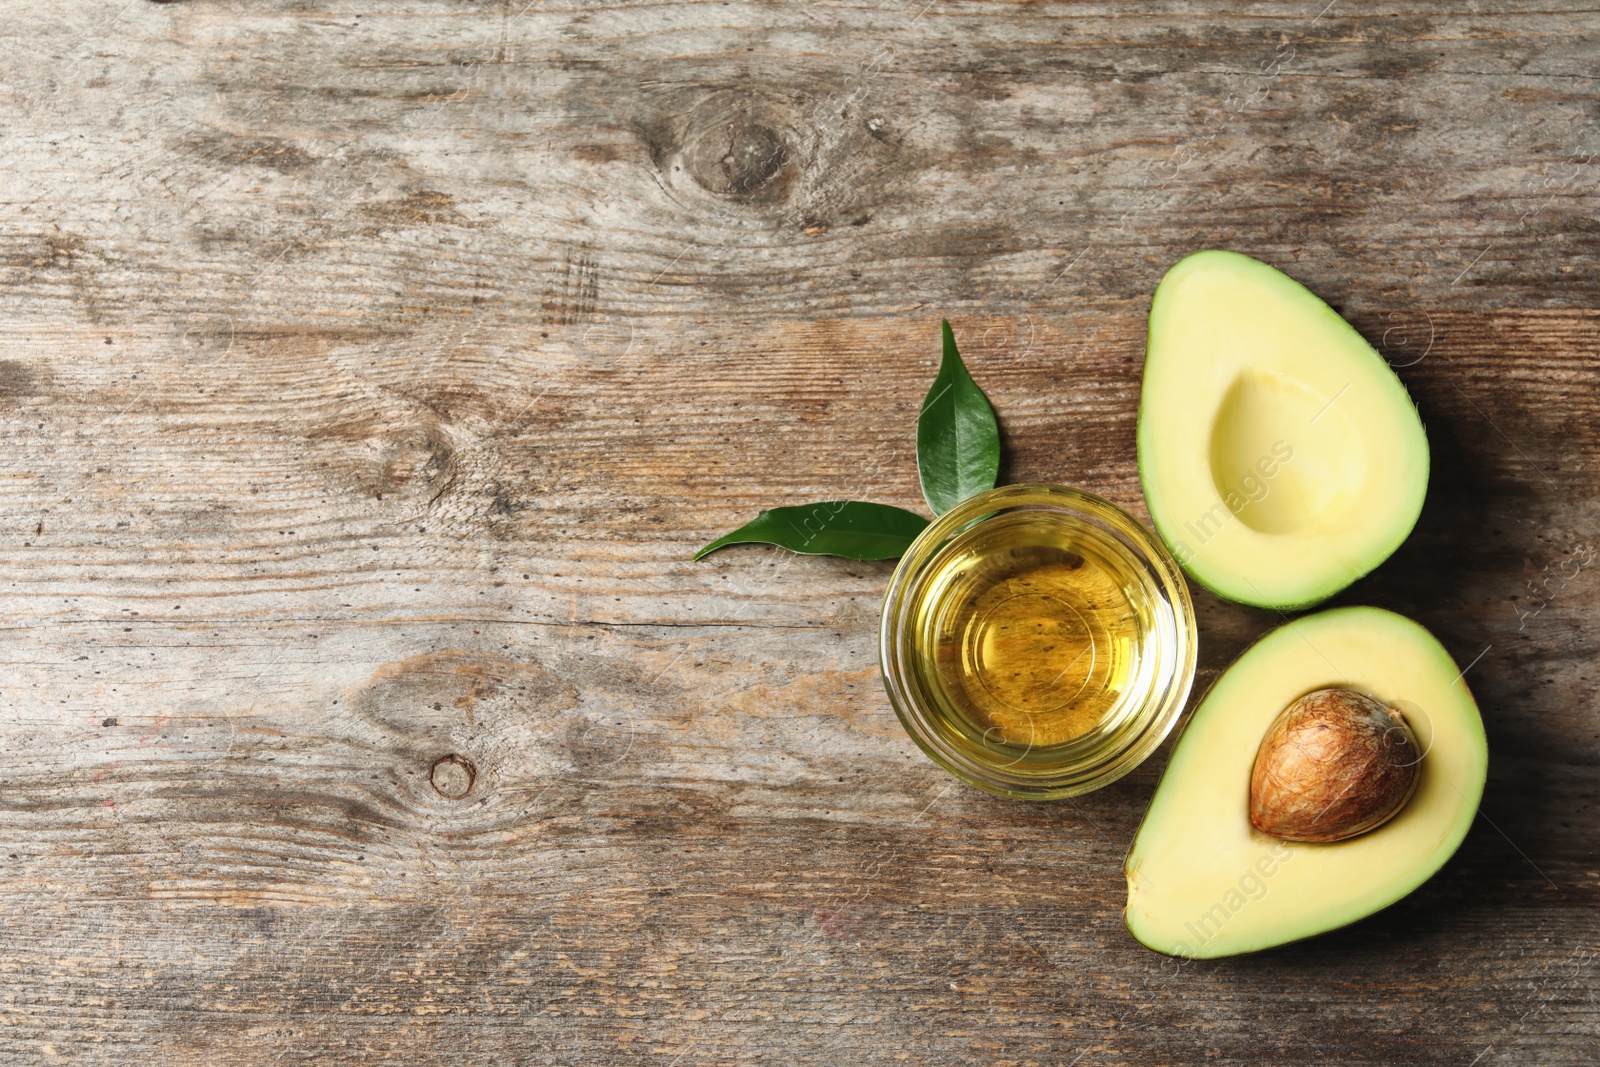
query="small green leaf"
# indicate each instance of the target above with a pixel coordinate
(958, 440)
(853, 529)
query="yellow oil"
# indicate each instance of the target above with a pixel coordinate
(1030, 633)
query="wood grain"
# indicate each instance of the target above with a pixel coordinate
(369, 373)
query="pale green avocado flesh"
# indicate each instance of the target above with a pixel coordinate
(1202, 882)
(1281, 458)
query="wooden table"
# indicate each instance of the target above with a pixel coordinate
(371, 371)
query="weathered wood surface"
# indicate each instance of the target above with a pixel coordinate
(372, 370)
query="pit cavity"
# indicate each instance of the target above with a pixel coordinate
(1284, 457)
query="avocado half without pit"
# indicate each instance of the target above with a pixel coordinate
(1281, 457)
(1329, 772)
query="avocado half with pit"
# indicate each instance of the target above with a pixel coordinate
(1281, 457)
(1204, 882)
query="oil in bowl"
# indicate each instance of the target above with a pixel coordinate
(1031, 630)
(1037, 642)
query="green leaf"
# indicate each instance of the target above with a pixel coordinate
(958, 440)
(853, 529)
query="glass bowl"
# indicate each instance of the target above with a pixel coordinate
(1037, 642)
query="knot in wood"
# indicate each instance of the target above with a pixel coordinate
(742, 148)
(453, 776)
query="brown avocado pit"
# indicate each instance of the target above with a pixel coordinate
(1334, 764)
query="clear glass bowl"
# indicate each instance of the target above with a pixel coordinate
(1000, 592)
